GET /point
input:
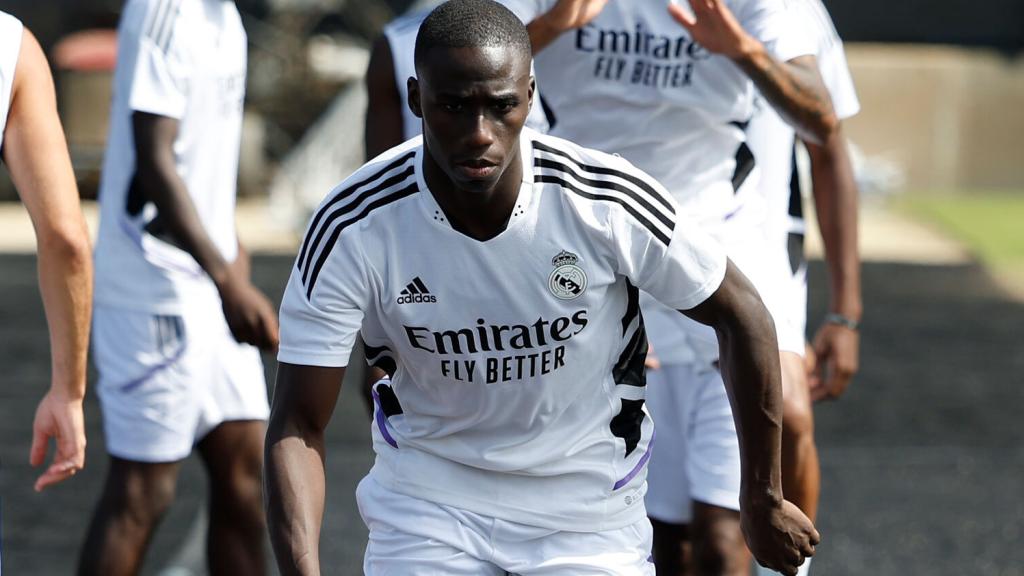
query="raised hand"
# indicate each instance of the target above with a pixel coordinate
(712, 25)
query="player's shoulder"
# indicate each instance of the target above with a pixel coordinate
(596, 180)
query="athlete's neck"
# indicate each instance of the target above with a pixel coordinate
(479, 214)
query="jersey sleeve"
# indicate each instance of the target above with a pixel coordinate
(670, 258)
(835, 72)
(776, 25)
(321, 313)
(159, 80)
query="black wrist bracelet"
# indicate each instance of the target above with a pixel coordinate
(840, 320)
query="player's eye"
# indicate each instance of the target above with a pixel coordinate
(453, 107)
(505, 106)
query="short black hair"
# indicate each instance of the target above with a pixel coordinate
(471, 24)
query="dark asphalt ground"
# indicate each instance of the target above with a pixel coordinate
(923, 459)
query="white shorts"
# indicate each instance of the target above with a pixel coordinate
(414, 537)
(166, 381)
(697, 455)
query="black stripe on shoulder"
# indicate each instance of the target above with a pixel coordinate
(342, 195)
(553, 179)
(604, 170)
(333, 239)
(608, 185)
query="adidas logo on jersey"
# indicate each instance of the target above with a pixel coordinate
(416, 292)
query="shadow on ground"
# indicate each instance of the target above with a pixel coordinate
(922, 460)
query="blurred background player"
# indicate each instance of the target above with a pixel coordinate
(518, 446)
(672, 95)
(33, 148)
(173, 292)
(835, 352)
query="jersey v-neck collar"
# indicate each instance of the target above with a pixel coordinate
(432, 210)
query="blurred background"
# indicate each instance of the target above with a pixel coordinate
(922, 459)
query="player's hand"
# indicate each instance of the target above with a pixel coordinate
(779, 536)
(571, 14)
(712, 25)
(836, 351)
(60, 418)
(249, 313)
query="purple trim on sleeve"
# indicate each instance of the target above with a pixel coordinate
(382, 424)
(639, 465)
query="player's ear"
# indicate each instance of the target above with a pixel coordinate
(533, 90)
(412, 86)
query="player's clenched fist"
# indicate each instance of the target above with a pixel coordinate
(779, 536)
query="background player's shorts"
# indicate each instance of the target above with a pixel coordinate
(696, 455)
(166, 381)
(414, 537)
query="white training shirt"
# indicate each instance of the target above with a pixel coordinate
(771, 139)
(517, 362)
(633, 82)
(10, 47)
(401, 36)
(183, 59)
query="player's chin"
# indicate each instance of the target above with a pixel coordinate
(476, 184)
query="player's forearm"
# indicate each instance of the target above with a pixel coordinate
(749, 360)
(65, 280)
(162, 185)
(835, 202)
(294, 497)
(793, 88)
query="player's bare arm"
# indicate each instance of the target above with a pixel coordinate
(248, 312)
(564, 16)
(777, 533)
(36, 154)
(794, 88)
(383, 129)
(837, 342)
(304, 399)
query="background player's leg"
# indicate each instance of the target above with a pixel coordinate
(801, 476)
(673, 554)
(135, 497)
(233, 455)
(718, 544)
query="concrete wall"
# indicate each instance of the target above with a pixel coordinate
(951, 118)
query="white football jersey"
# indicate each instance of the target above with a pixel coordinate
(633, 82)
(401, 35)
(517, 362)
(183, 59)
(771, 139)
(10, 47)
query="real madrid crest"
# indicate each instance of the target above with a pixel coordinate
(567, 280)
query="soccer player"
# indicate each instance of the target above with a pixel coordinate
(33, 148)
(669, 87)
(177, 318)
(389, 121)
(495, 274)
(771, 141)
